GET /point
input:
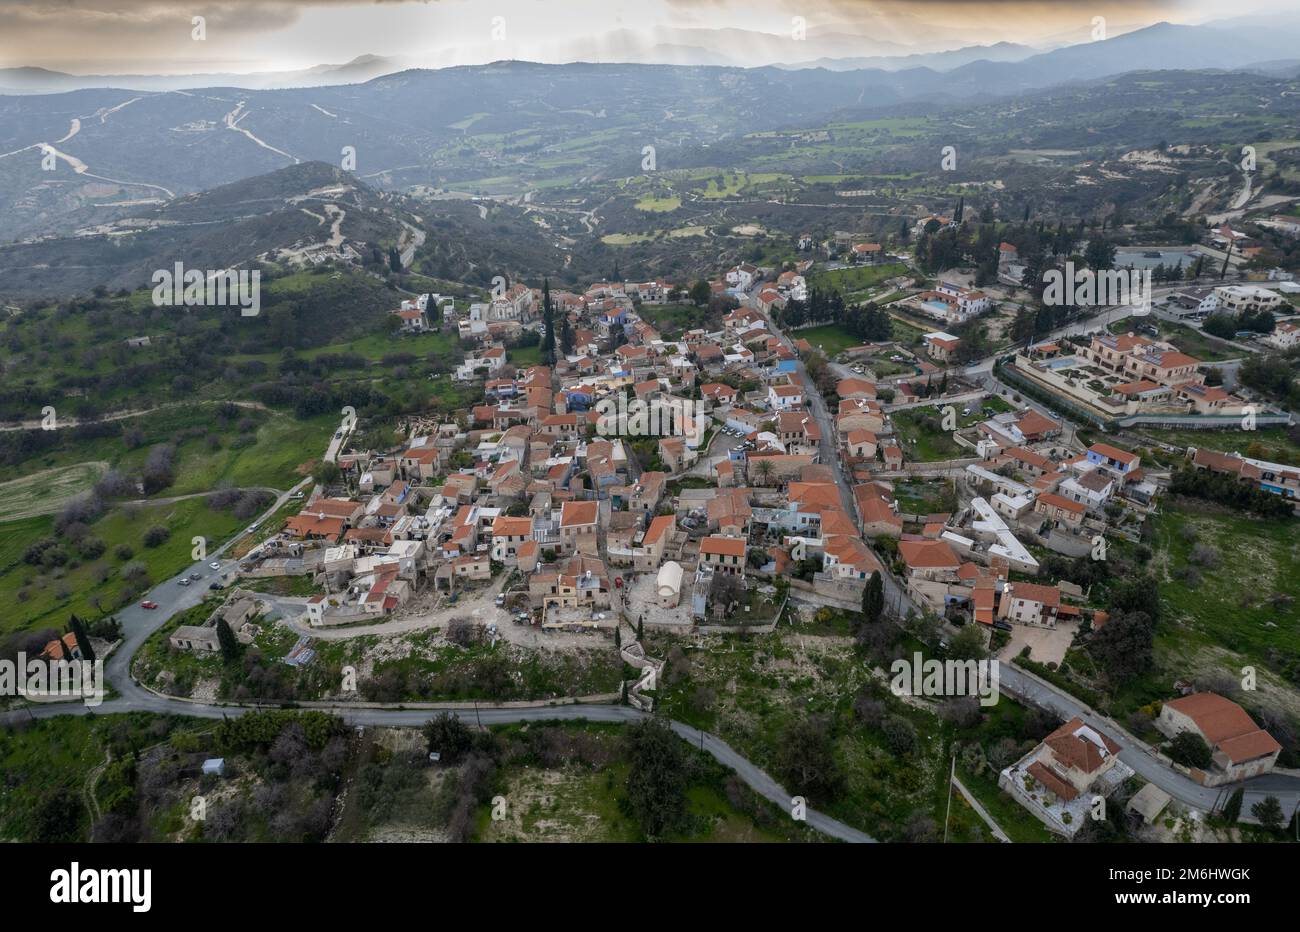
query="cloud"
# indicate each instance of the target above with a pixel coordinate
(36, 31)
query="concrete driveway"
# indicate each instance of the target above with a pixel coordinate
(1046, 645)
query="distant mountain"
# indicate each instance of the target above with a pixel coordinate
(1225, 44)
(307, 211)
(938, 61)
(45, 81)
(1164, 46)
(479, 129)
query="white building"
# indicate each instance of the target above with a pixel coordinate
(1285, 336)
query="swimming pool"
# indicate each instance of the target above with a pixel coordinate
(1061, 362)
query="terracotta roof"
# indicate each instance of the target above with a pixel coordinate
(1035, 423)
(1022, 455)
(1081, 746)
(928, 554)
(723, 546)
(661, 525)
(333, 507)
(1033, 592)
(1052, 500)
(1226, 725)
(1052, 780)
(574, 514)
(1114, 453)
(512, 527)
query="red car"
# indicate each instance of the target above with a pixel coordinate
(148, 604)
(618, 582)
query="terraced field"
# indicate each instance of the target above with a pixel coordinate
(45, 492)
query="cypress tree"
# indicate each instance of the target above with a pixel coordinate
(83, 640)
(873, 597)
(226, 637)
(1232, 810)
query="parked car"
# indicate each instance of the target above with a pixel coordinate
(214, 586)
(147, 604)
(215, 564)
(184, 581)
(501, 600)
(195, 577)
(338, 434)
(618, 582)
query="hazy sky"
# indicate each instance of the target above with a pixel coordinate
(154, 36)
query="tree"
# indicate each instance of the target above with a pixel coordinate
(968, 644)
(900, 734)
(1123, 647)
(83, 640)
(700, 293)
(1189, 749)
(447, 736)
(548, 322)
(657, 777)
(326, 473)
(1232, 809)
(873, 598)
(1268, 811)
(226, 638)
(1100, 253)
(806, 759)
(1137, 594)
(566, 335)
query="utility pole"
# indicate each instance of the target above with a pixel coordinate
(952, 775)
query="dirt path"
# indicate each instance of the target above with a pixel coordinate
(88, 789)
(231, 122)
(123, 415)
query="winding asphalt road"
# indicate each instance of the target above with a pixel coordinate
(1027, 688)
(139, 623)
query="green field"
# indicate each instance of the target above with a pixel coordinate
(52, 763)
(855, 278)
(1239, 609)
(659, 205)
(42, 595)
(581, 801)
(46, 492)
(525, 355)
(922, 442)
(758, 689)
(672, 319)
(1250, 602)
(924, 498)
(831, 339)
(1273, 444)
